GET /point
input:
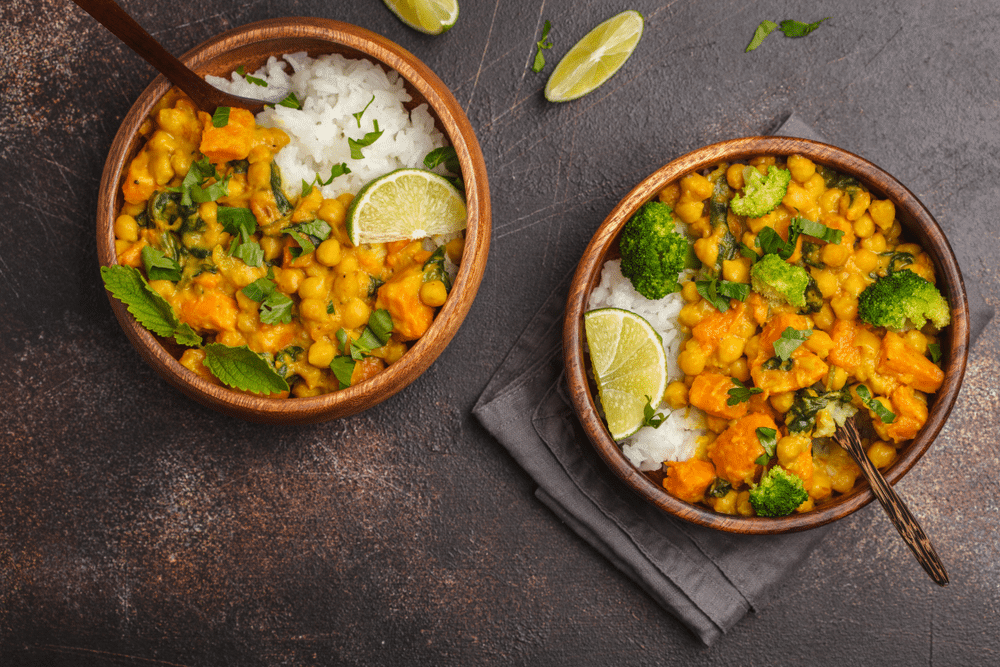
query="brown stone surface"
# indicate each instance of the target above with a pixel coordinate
(137, 528)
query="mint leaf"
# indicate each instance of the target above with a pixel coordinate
(869, 402)
(221, 117)
(343, 369)
(741, 393)
(789, 341)
(357, 144)
(763, 30)
(798, 28)
(543, 43)
(158, 266)
(358, 115)
(146, 305)
(244, 369)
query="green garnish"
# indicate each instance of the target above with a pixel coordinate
(741, 393)
(815, 229)
(290, 101)
(763, 30)
(241, 223)
(749, 252)
(151, 310)
(789, 341)
(307, 187)
(192, 187)
(935, 351)
(251, 79)
(650, 417)
(358, 115)
(369, 139)
(308, 235)
(335, 171)
(719, 292)
(376, 334)
(449, 157)
(719, 488)
(798, 28)
(244, 369)
(543, 43)
(221, 117)
(158, 266)
(875, 406)
(768, 439)
(275, 306)
(433, 268)
(343, 369)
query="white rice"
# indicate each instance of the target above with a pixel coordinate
(676, 438)
(331, 89)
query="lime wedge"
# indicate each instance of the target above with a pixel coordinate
(629, 364)
(430, 16)
(595, 58)
(405, 204)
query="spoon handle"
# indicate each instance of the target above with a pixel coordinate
(900, 515)
(124, 27)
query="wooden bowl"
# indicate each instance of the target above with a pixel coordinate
(250, 46)
(919, 225)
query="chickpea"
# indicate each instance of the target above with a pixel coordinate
(734, 176)
(288, 280)
(829, 201)
(820, 343)
(246, 322)
(864, 226)
(345, 199)
(321, 353)
(752, 347)
(726, 504)
(883, 213)
(743, 506)
(824, 318)
(916, 340)
(802, 168)
(332, 211)
(736, 270)
(689, 211)
(670, 194)
(797, 197)
(843, 480)
(865, 260)
(868, 342)
(328, 253)
(313, 287)
(835, 254)
(739, 370)
(696, 186)
(789, 448)
(692, 360)
(845, 306)
(838, 379)
(826, 281)
(347, 264)
(433, 293)
(676, 395)
(875, 243)
(691, 314)
(690, 292)
(820, 484)
(881, 453)
(126, 228)
(730, 349)
(783, 401)
(854, 284)
(312, 309)
(853, 206)
(716, 424)
(355, 313)
(454, 249)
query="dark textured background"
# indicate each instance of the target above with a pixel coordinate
(138, 528)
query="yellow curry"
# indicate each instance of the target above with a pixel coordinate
(330, 290)
(841, 353)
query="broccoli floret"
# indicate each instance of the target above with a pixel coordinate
(777, 280)
(761, 194)
(653, 254)
(809, 402)
(902, 300)
(778, 493)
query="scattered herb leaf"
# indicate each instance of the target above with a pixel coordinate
(874, 405)
(768, 438)
(290, 101)
(798, 28)
(445, 155)
(789, 341)
(749, 252)
(244, 369)
(343, 369)
(358, 115)
(151, 310)
(221, 117)
(935, 351)
(251, 79)
(369, 139)
(335, 171)
(543, 43)
(741, 393)
(719, 292)
(158, 266)
(719, 488)
(763, 30)
(651, 417)
(275, 306)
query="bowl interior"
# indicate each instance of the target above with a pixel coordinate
(919, 225)
(251, 46)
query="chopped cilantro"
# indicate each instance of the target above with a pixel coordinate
(221, 117)
(741, 393)
(650, 417)
(719, 292)
(358, 115)
(369, 139)
(158, 266)
(874, 405)
(789, 341)
(768, 439)
(542, 44)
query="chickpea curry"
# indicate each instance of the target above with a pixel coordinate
(249, 266)
(778, 356)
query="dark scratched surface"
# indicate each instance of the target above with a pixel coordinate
(138, 528)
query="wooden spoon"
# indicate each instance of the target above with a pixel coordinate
(914, 536)
(206, 96)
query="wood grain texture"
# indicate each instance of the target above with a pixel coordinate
(900, 515)
(918, 222)
(251, 46)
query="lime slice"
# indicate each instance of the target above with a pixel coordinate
(629, 364)
(405, 204)
(595, 58)
(430, 16)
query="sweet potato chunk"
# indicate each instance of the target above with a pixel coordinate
(688, 480)
(232, 141)
(710, 392)
(911, 415)
(844, 353)
(736, 449)
(907, 365)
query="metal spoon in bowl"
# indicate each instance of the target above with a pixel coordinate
(203, 94)
(914, 536)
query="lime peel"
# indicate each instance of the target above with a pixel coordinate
(431, 17)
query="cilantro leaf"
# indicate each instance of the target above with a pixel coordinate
(221, 117)
(882, 412)
(789, 341)
(244, 369)
(307, 187)
(935, 351)
(380, 322)
(650, 417)
(369, 139)
(763, 30)
(306, 235)
(290, 101)
(741, 393)
(748, 252)
(158, 266)
(251, 79)
(543, 43)
(191, 187)
(335, 171)
(719, 292)
(445, 155)
(275, 306)
(146, 305)
(343, 369)
(768, 439)
(817, 229)
(236, 221)
(358, 115)
(798, 28)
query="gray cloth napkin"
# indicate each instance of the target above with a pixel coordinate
(706, 578)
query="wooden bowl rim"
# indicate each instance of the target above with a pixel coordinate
(909, 209)
(356, 42)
